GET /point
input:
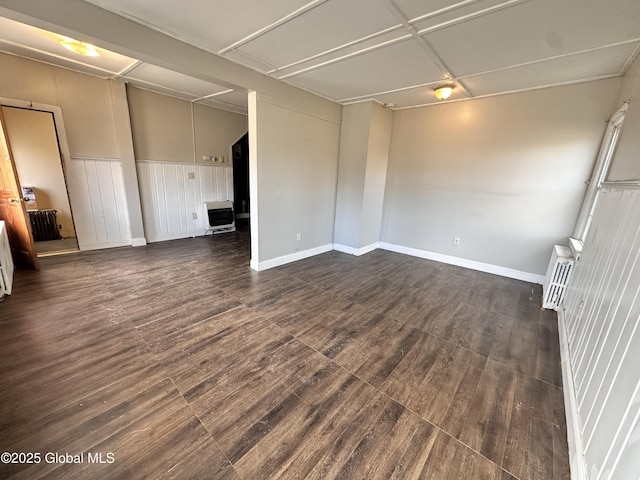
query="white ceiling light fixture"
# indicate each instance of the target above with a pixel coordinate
(443, 91)
(81, 48)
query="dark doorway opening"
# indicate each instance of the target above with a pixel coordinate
(241, 205)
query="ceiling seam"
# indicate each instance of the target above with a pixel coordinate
(630, 60)
(346, 57)
(129, 69)
(425, 46)
(547, 59)
(214, 94)
(395, 90)
(338, 48)
(272, 26)
(470, 16)
(443, 10)
(521, 90)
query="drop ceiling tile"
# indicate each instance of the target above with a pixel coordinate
(212, 25)
(160, 89)
(327, 26)
(534, 30)
(45, 46)
(395, 66)
(151, 74)
(239, 56)
(574, 68)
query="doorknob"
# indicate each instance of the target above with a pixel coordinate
(13, 200)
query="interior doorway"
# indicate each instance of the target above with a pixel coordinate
(241, 204)
(40, 168)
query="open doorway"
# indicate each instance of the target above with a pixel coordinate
(40, 169)
(240, 151)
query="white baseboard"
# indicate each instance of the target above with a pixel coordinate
(101, 245)
(175, 236)
(138, 242)
(463, 262)
(356, 251)
(293, 257)
(577, 462)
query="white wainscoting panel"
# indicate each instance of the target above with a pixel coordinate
(602, 320)
(170, 197)
(98, 200)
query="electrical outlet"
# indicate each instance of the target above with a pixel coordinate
(194, 215)
(298, 236)
(456, 241)
(191, 175)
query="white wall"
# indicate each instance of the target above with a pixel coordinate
(293, 150)
(626, 165)
(601, 320)
(94, 166)
(504, 174)
(170, 197)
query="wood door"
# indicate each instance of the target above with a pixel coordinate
(12, 208)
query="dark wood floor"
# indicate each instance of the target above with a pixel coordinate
(182, 362)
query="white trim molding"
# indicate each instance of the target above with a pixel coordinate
(163, 237)
(100, 245)
(577, 463)
(463, 262)
(293, 257)
(356, 251)
(138, 242)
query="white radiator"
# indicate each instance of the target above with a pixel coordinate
(557, 279)
(6, 262)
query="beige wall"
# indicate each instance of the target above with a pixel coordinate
(216, 131)
(293, 176)
(85, 101)
(174, 130)
(35, 151)
(161, 126)
(504, 174)
(626, 163)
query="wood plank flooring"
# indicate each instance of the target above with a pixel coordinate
(183, 363)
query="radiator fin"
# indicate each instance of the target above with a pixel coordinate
(44, 225)
(558, 275)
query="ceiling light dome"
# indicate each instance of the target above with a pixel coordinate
(443, 91)
(81, 48)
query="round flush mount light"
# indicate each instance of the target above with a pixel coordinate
(443, 91)
(81, 48)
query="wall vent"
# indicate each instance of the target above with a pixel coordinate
(558, 274)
